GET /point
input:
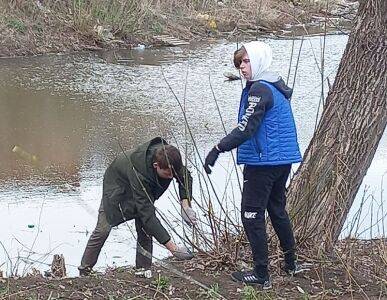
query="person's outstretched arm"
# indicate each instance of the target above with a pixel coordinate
(260, 100)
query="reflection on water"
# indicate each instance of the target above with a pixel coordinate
(73, 111)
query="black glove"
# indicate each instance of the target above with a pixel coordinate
(211, 158)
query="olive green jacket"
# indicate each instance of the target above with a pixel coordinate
(131, 186)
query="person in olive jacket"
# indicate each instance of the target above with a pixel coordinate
(131, 184)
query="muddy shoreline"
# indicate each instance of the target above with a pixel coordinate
(40, 30)
(354, 274)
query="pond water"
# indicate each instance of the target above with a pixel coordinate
(74, 111)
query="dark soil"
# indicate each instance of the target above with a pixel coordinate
(360, 275)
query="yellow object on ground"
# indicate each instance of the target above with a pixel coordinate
(212, 24)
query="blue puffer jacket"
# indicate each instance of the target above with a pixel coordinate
(275, 142)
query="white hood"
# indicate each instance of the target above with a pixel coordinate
(260, 56)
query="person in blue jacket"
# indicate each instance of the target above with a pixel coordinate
(266, 142)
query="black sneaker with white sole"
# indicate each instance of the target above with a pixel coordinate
(295, 268)
(251, 278)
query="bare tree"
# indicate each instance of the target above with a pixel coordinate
(351, 126)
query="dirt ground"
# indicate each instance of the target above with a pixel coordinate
(355, 274)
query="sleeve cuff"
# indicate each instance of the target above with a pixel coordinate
(166, 242)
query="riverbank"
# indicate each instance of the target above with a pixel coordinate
(38, 27)
(356, 272)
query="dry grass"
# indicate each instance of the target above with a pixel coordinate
(131, 16)
(42, 26)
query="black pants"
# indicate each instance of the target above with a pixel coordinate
(264, 189)
(101, 233)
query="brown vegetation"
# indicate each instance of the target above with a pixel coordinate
(35, 27)
(342, 277)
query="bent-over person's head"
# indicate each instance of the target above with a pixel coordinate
(167, 161)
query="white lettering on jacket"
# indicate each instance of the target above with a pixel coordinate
(250, 215)
(253, 100)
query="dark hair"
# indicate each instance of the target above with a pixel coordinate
(168, 156)
(238, 55)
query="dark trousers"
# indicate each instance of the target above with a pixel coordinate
(101, 233)
(264, 189)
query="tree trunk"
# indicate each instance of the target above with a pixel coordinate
(348, 134)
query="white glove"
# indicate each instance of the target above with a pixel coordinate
(182, 253)
(189, 215)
